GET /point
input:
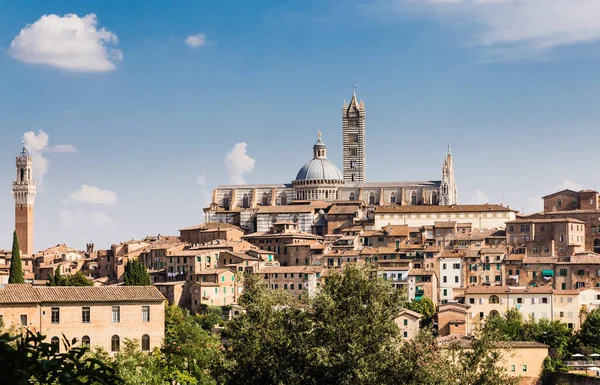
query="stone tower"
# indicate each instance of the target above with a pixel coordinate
(448, 191)
(24, 193)
(354, 141)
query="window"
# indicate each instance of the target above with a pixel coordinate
(481, 315)
(473, 279)
(116, 314)
(445, 292)
(405, 334)
(444, 266)
(55, 318)
(145, 313)
(23, 319)
(512, 368)
(456, 279)
(55, 344)
(561, 238)
(544, 300)
(494, 299)
(85, 314)
(405, 322)
(145, 342)
(115, 344)
(456, 266)
(562, 272)
(511, 228)
(519, 300)
(85, 341)
(525, 366)
(472, 301)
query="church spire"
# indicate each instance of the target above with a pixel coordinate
(353, 140)
(448, 190)
(320, 149)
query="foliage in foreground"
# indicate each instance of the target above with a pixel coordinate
(27, 359)
(136, 274)
(15, 272)
(346, 334)
(77, 279)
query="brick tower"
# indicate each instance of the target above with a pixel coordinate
(24, 193)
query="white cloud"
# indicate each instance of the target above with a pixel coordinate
(238, 163)
(568, 184)
(93, 195)
(62, 148)
(514, 29)
(201, 179)
(478, 197)
(37, 145)
(196, 40)
(69, 42)
(82, 220)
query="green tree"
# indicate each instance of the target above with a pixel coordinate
(15, 274)
(190, 352)
(27, 359)
(210, 317)
(423, 306)
(590, 330)
(136, 274)
(77, 279)
(138, 368)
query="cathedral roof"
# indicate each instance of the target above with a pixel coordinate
(319, 169)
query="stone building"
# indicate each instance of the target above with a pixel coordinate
(583, 205)
(408, 322)
(96, 316)
(208, 232)
(546, 237)
(24, 191)
(320, 180)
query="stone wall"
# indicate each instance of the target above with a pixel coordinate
(573, 379)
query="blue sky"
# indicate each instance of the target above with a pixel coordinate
(147, 99)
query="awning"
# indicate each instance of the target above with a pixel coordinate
(548, 273)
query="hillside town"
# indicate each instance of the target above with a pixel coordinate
(471, 261)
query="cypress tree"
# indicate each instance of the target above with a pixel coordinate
(15, 274)
(136, 274)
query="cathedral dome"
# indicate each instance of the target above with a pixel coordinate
(319, 169)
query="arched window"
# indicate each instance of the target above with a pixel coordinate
(372, 199)
(434, 198)
(265, 199)
(55, 344)
(85, 341)
(351, 197)
(493, 314)
(494, 299)
(226, 202)
(283, 199)
(145, 342)
(115, 343)
(413, 198)
(393, 197)
(246, 201)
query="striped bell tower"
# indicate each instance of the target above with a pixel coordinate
(354, 141)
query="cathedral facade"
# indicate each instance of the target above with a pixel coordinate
(304, 200)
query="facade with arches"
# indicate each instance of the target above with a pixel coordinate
(101, 316)
(320, 180)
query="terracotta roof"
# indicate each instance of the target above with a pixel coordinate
(212, 226)
(567, 292)
(540, 260)
(212, 271)
(444, 224)
(396, 230)
(561, 192)
(291, 269)
(23, 293)
(420, 272)
(515, 257)
(342, 209)
(286, 209)
(508, 289)
(411, 313)
(583, 258)
(441, 209)
(545, 220)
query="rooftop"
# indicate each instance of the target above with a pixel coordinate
(441, 209)
(24, 293)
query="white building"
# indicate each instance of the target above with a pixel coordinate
(486, 216)
(451, 276)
